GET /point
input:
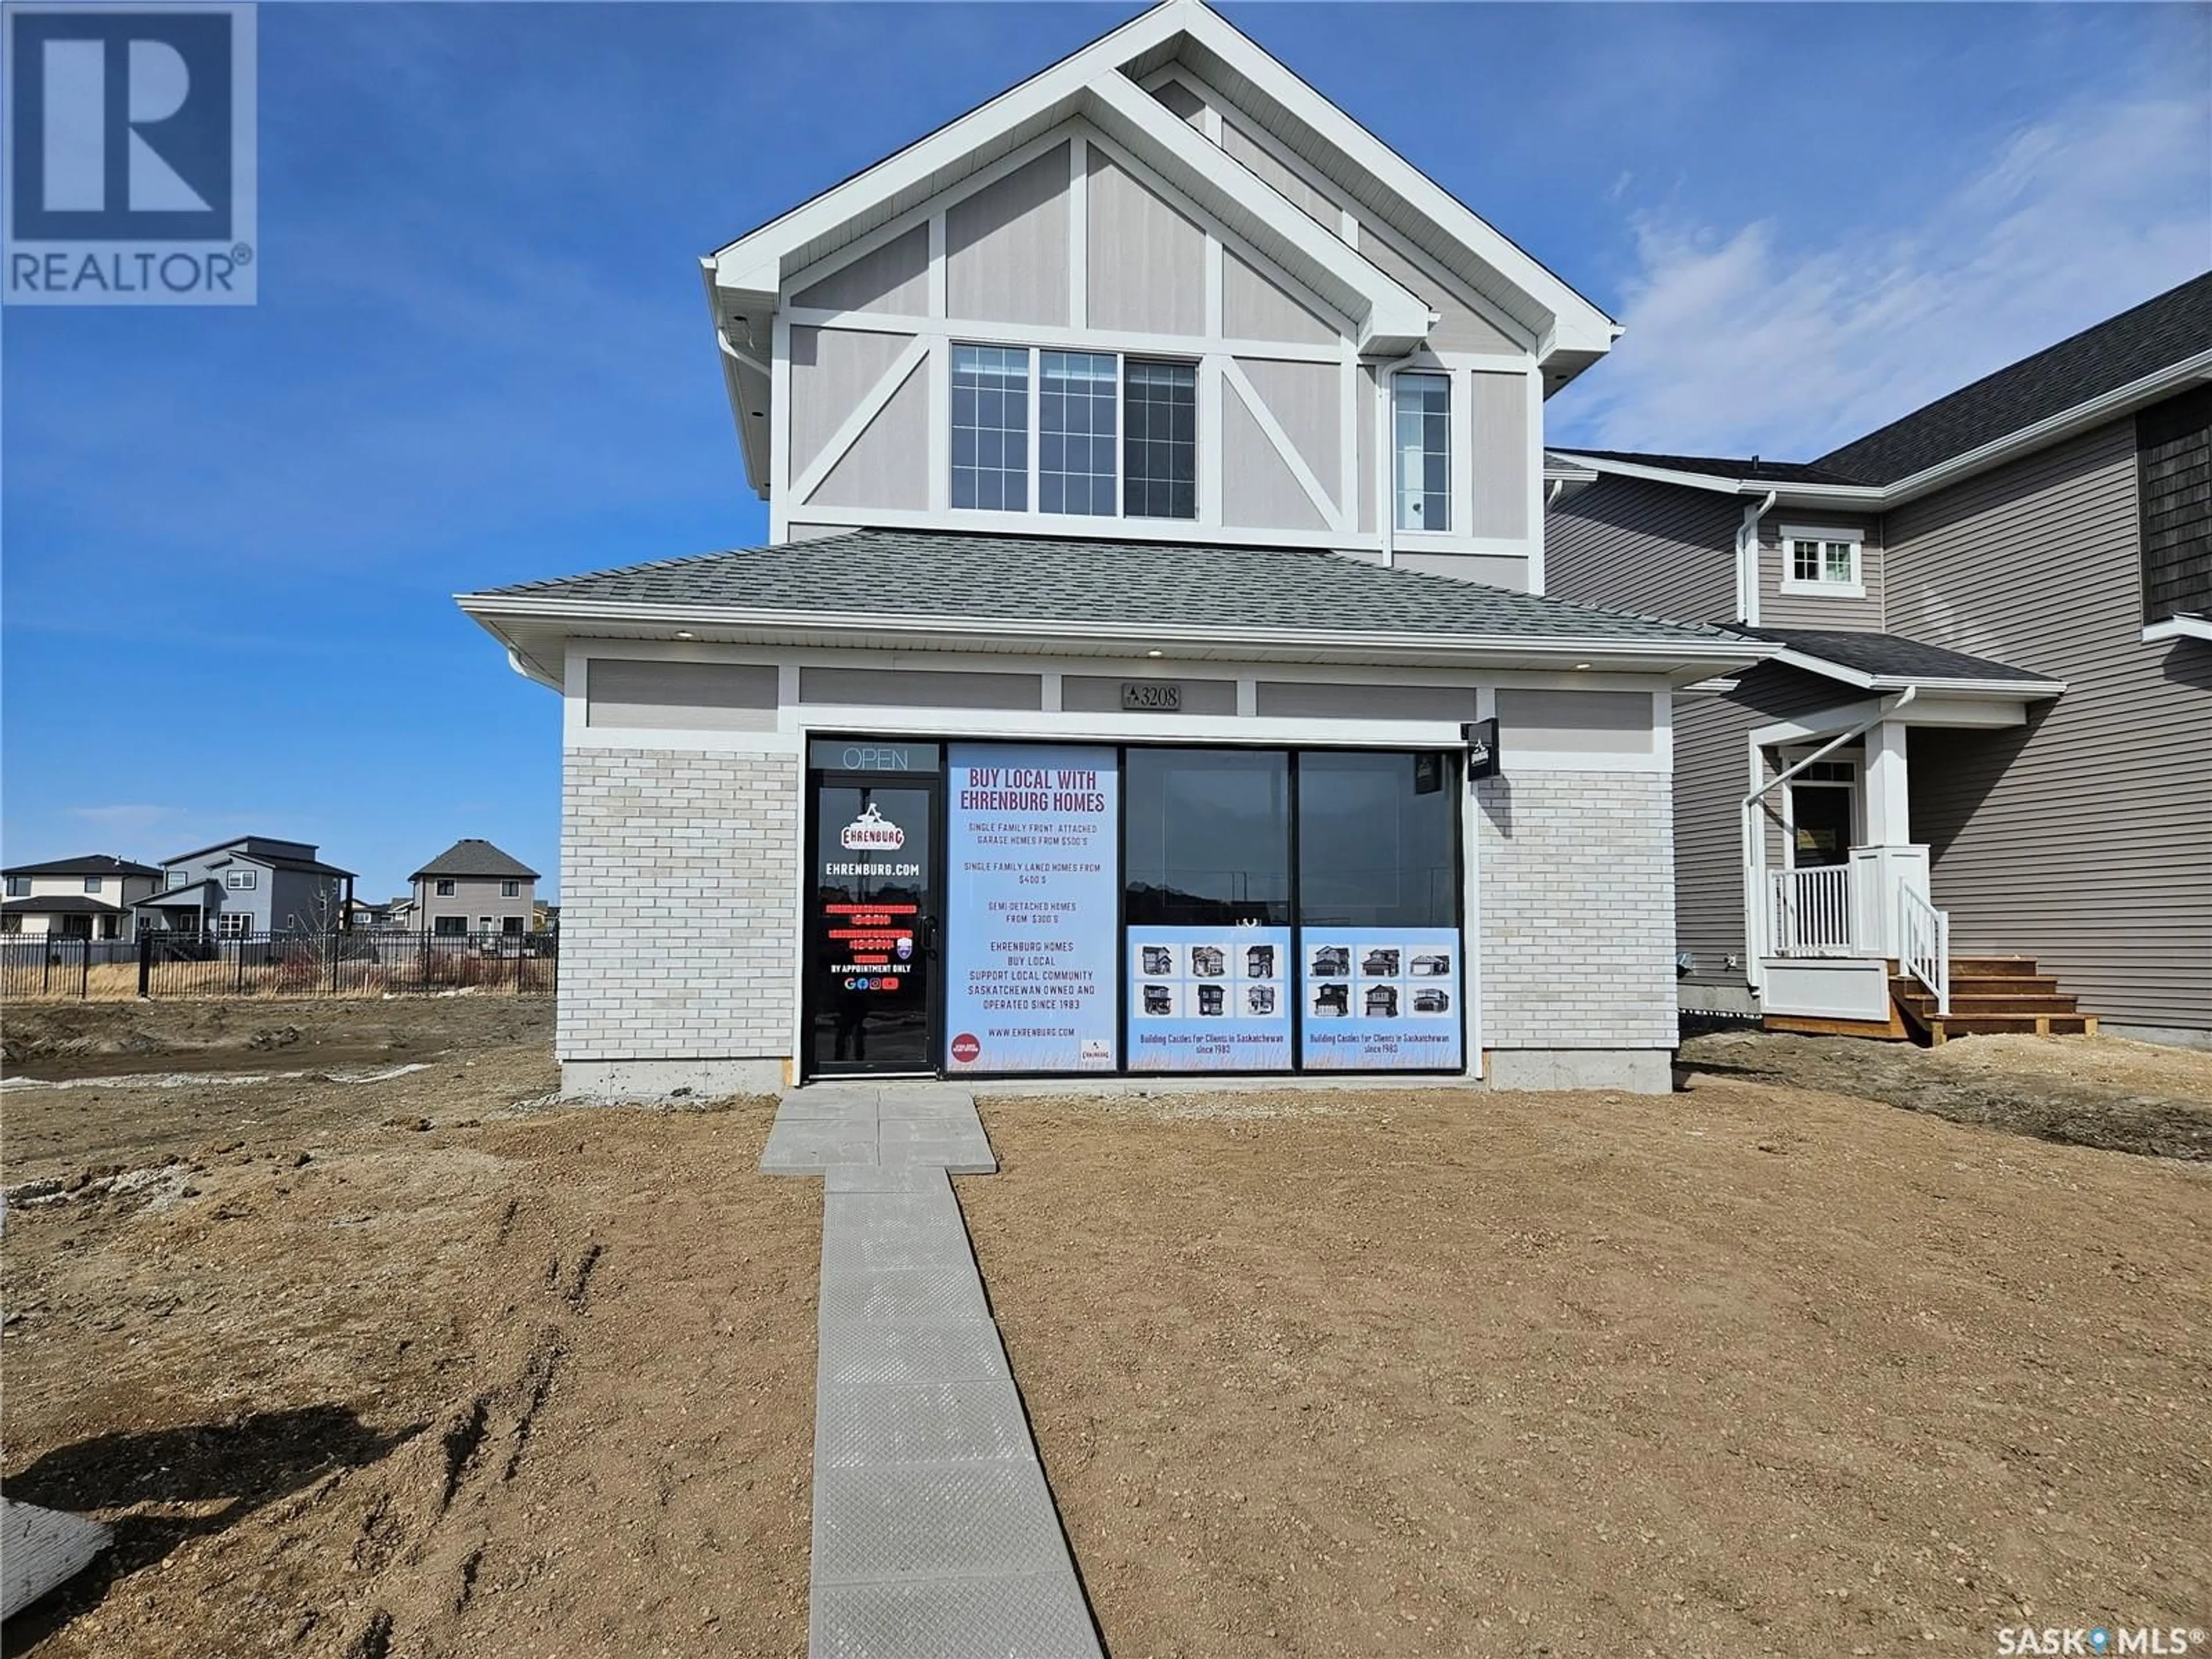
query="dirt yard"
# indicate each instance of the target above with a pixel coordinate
(407, 1366)
(369, 1350)
(1752, 1370)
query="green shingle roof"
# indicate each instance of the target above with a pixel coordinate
(931, 574)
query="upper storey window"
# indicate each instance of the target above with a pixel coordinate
(991, 428)
(1162, 453)
(1822, 561)
(1115, 434)
(1421, 435)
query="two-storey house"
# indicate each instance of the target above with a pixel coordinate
(1150, 667)
(85, 897)
(252, 885)
(473, 887)
(1978, 772)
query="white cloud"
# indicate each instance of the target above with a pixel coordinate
(1744, 340)
(126, 820)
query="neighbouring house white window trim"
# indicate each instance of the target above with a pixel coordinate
(510, 888)
(449, 926)
(442, 887)
(233, 924)
(1031, 482)
(1412, 499)
(91, 883)
(240, 881)
(178, 879)
(1846, 581)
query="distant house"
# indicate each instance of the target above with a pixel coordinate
(474, 888)
(250, 884)
(86, 898)
(364, 915)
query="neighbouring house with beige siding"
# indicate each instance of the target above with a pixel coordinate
(1154, 470)
(2002, 603)
(473, 889)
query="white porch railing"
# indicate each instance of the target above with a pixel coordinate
(1923, 944)
(1809, 911)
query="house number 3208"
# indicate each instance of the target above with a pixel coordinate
(1152, 696)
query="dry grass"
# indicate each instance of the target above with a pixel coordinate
(303, 977)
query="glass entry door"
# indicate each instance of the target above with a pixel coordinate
(872, 928)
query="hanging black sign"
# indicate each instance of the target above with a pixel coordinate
(1482, 756)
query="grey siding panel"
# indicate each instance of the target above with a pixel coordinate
(1321, 208)
(1300, 699)
(1254, 307)
(1587, 722)
(1779, 610)
(1656, 548)
(1499, 429)
(1147, 270)
(1005, 245)
(1259, 491)
(1711, 731)
(1100, 694)
(832, 370)
(2084, 839)
(1459, 327)
(1505, 570)
(1306, 401)
(703, 696)
(920, 688)
(895, 278)
(888, 464)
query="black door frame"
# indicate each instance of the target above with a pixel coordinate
(929, 941)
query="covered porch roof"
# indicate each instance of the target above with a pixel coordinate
(1885, 662)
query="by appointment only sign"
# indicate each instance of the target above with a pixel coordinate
(130, 156)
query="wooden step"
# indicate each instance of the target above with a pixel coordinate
(1919, 1002)
(2001, 967)
(1942, 1030)
(1993, 985)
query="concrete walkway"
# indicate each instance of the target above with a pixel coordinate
(934, 1534)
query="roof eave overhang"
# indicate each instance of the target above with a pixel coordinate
(512, 620)
(2080, 417)
(2031, 689)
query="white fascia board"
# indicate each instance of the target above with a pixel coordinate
(2185, 625)
(1577, 324)
(499, 614)
(2094, 412)
(1596, 463)
(2009, 691)
(1392, 320)
(921, 163)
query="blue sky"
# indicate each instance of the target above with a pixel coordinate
(482, 355)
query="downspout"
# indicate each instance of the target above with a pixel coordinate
(1754, 846)
(1746, 558)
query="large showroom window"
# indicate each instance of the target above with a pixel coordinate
(1209, 837)
(1376, 841)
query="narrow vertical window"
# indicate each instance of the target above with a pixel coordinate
(991, 428)
(1159, 448)
(1075, 432)
(1421, 435)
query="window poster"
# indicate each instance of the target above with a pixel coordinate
(1034, 901)
(1210, 998)
(1381, 999)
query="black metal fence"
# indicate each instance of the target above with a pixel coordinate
(181, 964)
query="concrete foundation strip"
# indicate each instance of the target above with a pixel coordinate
(934, 1531)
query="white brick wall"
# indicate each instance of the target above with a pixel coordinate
(1576, 873)
(678, 904)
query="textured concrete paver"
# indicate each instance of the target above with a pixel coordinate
(934, 1531)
